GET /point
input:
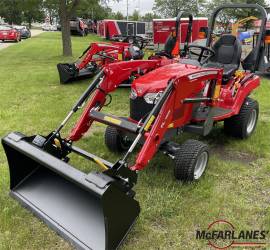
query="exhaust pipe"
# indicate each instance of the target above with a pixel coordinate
(92, 211)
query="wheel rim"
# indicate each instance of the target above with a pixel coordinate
(200, 165)
(125, 142)
(252, 121)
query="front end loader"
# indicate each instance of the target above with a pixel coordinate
(96, 210)
(89, 63)
(99, 54)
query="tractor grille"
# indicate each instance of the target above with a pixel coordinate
(139, 108)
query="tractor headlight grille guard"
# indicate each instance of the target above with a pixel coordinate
(139, 108)
(152, 98)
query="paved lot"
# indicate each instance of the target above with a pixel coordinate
(4, 45)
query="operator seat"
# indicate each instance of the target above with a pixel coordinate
(228, 52)
(168, 47)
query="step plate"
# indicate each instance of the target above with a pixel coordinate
(202, 113)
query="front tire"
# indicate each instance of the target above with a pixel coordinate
(243, 124)
(191, 160)
(115, 140)
(82, 33)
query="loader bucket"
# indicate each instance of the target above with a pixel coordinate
(89, 210)
(68, 72)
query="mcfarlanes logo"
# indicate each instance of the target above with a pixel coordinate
(222, 234)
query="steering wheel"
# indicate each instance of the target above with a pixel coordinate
(205, 53)
(137, 41)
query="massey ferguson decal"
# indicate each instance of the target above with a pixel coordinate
(200, 74)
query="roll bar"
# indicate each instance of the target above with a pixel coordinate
(261, 35)
(189, 28)
(178, 19)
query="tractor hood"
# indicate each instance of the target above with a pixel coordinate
(157, 80)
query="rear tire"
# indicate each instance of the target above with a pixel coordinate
(191, 160)
(243, 124)
(115, 140)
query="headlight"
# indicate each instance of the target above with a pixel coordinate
(133, 94)
(152, 98)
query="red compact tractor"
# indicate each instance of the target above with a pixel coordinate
(100, 54)
(96, 210)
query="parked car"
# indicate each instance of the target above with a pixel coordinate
(58, 26)
(8, 33)
(92, 25)
(78, 26)
(49, 27)
(25, 32)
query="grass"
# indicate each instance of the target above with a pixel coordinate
(236, 186)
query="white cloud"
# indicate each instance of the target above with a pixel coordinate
(143, 6)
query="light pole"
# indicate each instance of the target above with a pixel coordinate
(127, 10)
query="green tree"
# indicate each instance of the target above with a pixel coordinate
(67, 8)
(32, 11)
(51, 9)
(135, 16)
(93, 9)
(18, 11)
(227, 16)
(96, 9)
(118, 16)
(150, 16)
(171, 8)
(11, 11)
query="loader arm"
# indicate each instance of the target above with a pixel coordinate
(155, 135)
(176, 111)
(101, 47)
(114, 75)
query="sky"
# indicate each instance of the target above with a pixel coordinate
(143, 6)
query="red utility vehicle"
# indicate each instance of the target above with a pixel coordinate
(109, 28)
(9, 34)
(96, 210)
